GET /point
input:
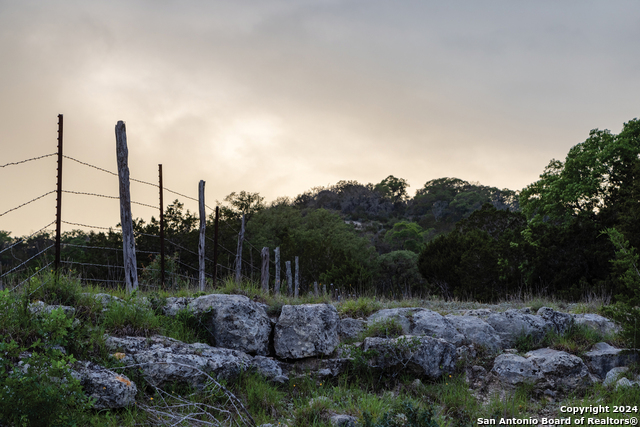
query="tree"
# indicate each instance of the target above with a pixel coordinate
(394, 189)
(399, 274)
(243, 203)
(406, 235)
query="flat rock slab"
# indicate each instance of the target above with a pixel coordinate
(165, 360)
(420, 321)
(597, 322)
(350, 328)
(422, 355)
(236, 322)
(306, 330)
(109, 389)
(545, 368)
(561, 322)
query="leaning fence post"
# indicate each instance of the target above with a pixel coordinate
(276, 289)
(128, 240)
(265, 270)
(203, 223)
(297, 278)
(239, 252)
(289, 281)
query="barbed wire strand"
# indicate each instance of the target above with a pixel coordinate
(22, 239)
(26, 203)
(29, 278)
(85, 225)
(107, 197)
(28, 160)
(91, 264)
(24, 262)
(108, 171)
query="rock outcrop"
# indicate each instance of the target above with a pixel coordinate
(306, 330)
(109, 389)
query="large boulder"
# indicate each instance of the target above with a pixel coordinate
(235, 322)
(175, 304)
(477, 332)
(269, 368)
(350, 328)
(403, 316)
(597, 322)
(420, 321)
(109, 389)
(165, 360)
(422, 355)
(545, 369)
(306, 330)
(561, 322)
(514, 323)
(604, 357)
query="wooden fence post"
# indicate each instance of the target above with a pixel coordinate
(289, 280)
(162, 265)
(297, 279)
(324, 289)
(203, 224)
(215, 247)
(239, 252)
(128, 240)
(315, 288)
(265, 270)
(276, 289)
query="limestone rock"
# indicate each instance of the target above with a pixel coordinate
(613, 375)
(343, 421)
(175, 304)
(41, 307)
(350, 328)
(604, 357)
(236, 322)
(513, 323)
(402, 315)
(427, 322)
(111, 390)
(306, 330)
(269, 368)
(595, 321)
(545, 368)
(165, 360)
(560, 321)
(477, 332)
(424, 355)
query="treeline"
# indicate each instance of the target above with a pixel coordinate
(453, 237)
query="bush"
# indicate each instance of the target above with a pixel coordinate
(406, 415)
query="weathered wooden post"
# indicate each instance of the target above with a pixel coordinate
(128, 240)
(162, 266)
(297, 289)
(315, 288)
(276, 289)
(265, 270)
(215, 247)
(239, 252)
(203, 224)
(289, 280)
(324, 289)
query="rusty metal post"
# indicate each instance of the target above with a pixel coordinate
(161, 230)
(59, 198)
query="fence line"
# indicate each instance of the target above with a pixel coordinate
(22, 239)
(26, 203)
(24, 262)
(27, 160)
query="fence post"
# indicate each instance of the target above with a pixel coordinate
(265, 270)
(239, 252)
(324, 289)
(162, 278)
(215, 248)
(289, 280)
(59, 199)
(297, 278)
(315, 288)
(128, 240)
(203, 223)
(277, 285)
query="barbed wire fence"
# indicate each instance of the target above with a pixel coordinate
(95, 253)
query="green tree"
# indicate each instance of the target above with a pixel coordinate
(242, 203)
(406, 235)
(393, 188)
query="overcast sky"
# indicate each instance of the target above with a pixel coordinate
(277, 97)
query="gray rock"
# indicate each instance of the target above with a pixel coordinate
(269, 368)
(236, 322)
(423, 355)
(561, 321)
(350, 328)
(41, 307)
(306, 330)
(404, 316)
(165, 360)
(597, 322)
(343, 420)
(513, 323)
(427, 322)
(106, 299)
(477, 332)
(625, 383)
(111, 390)
(604, 357)
(613, 375)
(175, 304)
(545, 368)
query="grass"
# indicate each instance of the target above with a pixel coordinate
(306, 401)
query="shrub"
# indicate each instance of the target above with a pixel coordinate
(406, 415)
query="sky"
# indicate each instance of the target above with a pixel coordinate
(279, 96)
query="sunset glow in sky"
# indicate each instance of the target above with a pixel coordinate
(278, 97)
